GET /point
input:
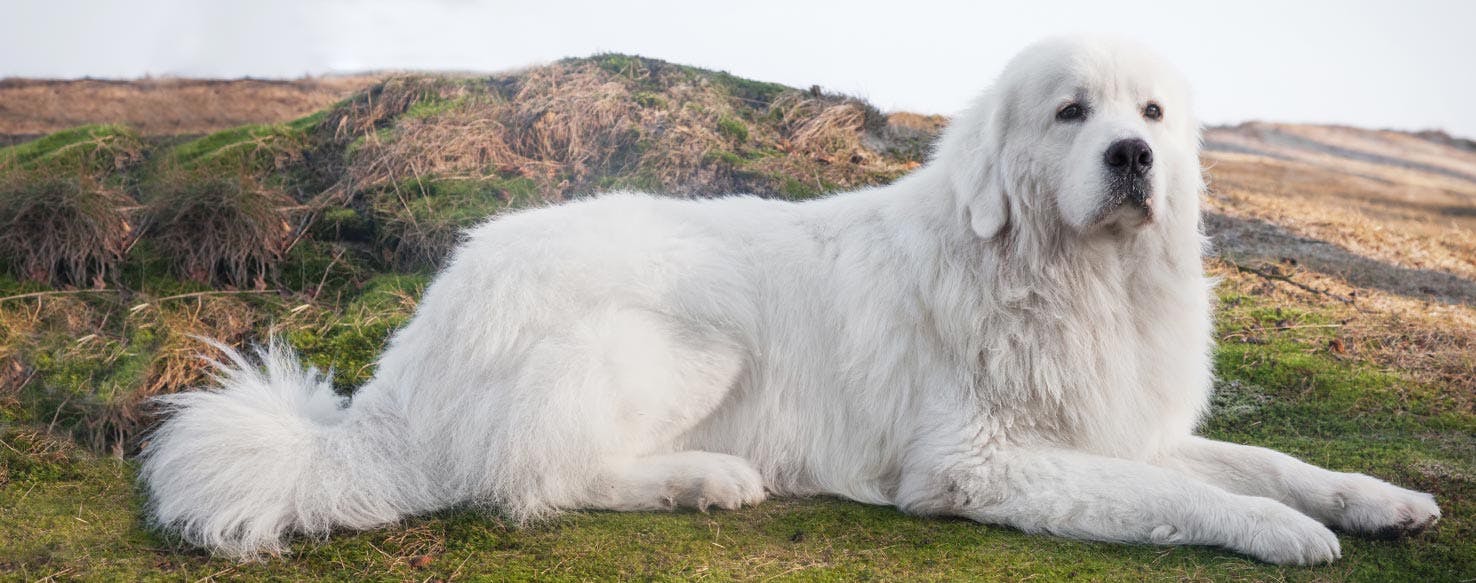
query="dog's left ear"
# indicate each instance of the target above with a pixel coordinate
(970, 152)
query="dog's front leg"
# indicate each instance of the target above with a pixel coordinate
(1352, 502)
(1078, 495)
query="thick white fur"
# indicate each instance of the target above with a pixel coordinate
(983, 338)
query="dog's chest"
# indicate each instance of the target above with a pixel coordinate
(1101, 364)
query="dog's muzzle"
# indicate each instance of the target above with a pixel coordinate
(1128, 162)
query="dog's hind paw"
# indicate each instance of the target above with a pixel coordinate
(691, 479)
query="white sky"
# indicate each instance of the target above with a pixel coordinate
(1400, 64)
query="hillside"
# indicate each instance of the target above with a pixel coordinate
(163, 107)
(1347, 313)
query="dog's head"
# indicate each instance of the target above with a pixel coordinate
(1092, 134)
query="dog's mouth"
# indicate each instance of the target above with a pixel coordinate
(1129, 202)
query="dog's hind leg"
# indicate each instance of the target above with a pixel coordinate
(690, 479)
(603, 408)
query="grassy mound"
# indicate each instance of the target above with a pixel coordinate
(426, 156)
(221, 208)
(65, 214)
(96, 150)
(412, 160)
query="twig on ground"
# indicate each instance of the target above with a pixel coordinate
(58, 293)
(1287, 279)
(324, 280)
(218, 293)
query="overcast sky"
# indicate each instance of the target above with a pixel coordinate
(1401, 64)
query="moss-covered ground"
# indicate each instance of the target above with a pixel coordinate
(66, 513)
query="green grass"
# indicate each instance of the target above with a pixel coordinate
(92, 147)
(433, 105)
(733, 128)
(814, 539)
(421, 219)
(349, 342)
(252, 149)
(78, 515)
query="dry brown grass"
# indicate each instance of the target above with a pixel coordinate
(430, 156)
(90, 361)
(65, 216)
(63, 229)
(221, 228)
(1376, 227)
(183, 320)
(165, 106)
(1387, 196)
(570, 125)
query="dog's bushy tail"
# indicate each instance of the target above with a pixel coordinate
(272, 451)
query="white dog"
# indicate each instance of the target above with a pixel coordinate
(1018, 333)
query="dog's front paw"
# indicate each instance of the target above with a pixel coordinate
(1367, 505)
(1283, 536)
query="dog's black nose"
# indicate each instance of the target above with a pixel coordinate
(1132, 157)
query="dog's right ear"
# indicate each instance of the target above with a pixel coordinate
(970, 152)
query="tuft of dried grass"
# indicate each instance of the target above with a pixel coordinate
(823, 129)
(220, 228)
(222, 208)
(63, 229)
(64, 214)
(381, 102)
(180, 358)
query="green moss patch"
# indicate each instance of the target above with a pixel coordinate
(421, 220)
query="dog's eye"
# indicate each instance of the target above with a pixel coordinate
(1153, 111)
(1072, 112)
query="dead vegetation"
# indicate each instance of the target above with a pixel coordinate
(428, 156)
(63, 230)
(416, 159)
(225, 229)
(574, 126)
(165, 106)
(65, 217)
(1375, 227)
